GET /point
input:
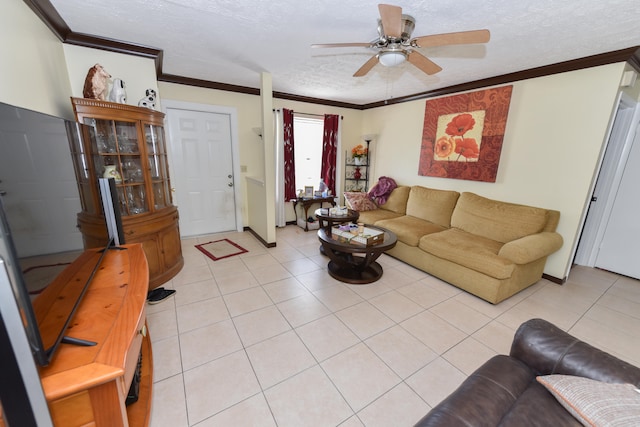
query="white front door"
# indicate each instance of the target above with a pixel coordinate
(620, 247)
(200, 144)
(38, 182)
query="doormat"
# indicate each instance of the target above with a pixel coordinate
(220, 249)
(38, 277)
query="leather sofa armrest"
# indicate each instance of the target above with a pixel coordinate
(532, 247)
(547, 349)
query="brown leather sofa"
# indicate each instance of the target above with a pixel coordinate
(504, 391)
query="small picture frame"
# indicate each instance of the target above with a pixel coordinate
(308, 191)
(317, 193)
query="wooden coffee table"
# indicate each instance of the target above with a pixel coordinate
(353, 263)
(323, 214)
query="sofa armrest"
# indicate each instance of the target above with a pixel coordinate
(532, 247)
(547, 349)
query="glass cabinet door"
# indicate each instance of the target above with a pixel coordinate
(158, 167)
(81, 165)
(117, 155)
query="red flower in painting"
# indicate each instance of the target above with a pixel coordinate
(444, 146)
(460, 124)
(467, 147)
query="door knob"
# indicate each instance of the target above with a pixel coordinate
(230, 184)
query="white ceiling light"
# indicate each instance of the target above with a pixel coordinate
(392, 58)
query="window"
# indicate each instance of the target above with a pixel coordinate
(308, 150)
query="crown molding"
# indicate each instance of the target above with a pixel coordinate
(630, 55)
(50, 16)
(207, 84)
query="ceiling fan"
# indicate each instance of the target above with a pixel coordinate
(395, 44)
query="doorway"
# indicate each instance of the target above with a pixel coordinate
(204, 162)
(610, 235)
(620, 245)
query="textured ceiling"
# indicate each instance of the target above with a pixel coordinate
(232, 42)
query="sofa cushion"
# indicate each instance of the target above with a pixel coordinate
(397, 200)
(359, 201)
(432, 205)
(536, 407)
(484, 397)
(497, 220)
(475, 252)
(595, 403)
(371, 217)
(409, 229)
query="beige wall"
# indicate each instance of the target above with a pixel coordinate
(250, 116)
(33, 69)
(553, 140)
(138, 74)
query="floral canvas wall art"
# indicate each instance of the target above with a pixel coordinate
(463, 134)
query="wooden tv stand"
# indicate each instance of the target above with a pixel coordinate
(89, 385)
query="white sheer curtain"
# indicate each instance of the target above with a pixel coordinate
(281, 220)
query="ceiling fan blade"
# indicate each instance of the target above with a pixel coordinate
(422, 62)
(342, 45)
(391, 17)
(461, 37)
(367, 66)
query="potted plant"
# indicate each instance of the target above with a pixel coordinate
(359, 154)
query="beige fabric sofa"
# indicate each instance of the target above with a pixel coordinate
(489, 248)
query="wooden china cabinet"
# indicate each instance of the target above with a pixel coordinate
(129, 142)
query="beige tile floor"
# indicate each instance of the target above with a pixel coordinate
(268, 338)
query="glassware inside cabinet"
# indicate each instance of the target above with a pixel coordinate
(157, 167)
(103, 140)
(131, 169)
(154, 138)
(122, 201)
(159, 199)
(136, 200)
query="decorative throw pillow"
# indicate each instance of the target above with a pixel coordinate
(359, 201)
(595, 403)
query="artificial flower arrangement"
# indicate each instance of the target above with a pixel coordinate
(359, 151)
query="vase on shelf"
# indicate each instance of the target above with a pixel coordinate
(356, 173)
(110, 171)
(357, 161)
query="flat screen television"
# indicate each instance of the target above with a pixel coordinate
(10, 252)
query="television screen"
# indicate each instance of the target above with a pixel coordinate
(18, 287)
(39, 203)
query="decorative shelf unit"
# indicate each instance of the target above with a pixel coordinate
(130, 142)
(356, 173)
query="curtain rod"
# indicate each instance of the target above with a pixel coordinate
(306, 114)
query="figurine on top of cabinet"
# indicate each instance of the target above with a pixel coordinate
(96, 83)
(149, 99)
(118, 93)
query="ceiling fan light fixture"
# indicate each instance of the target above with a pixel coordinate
(392, 58)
